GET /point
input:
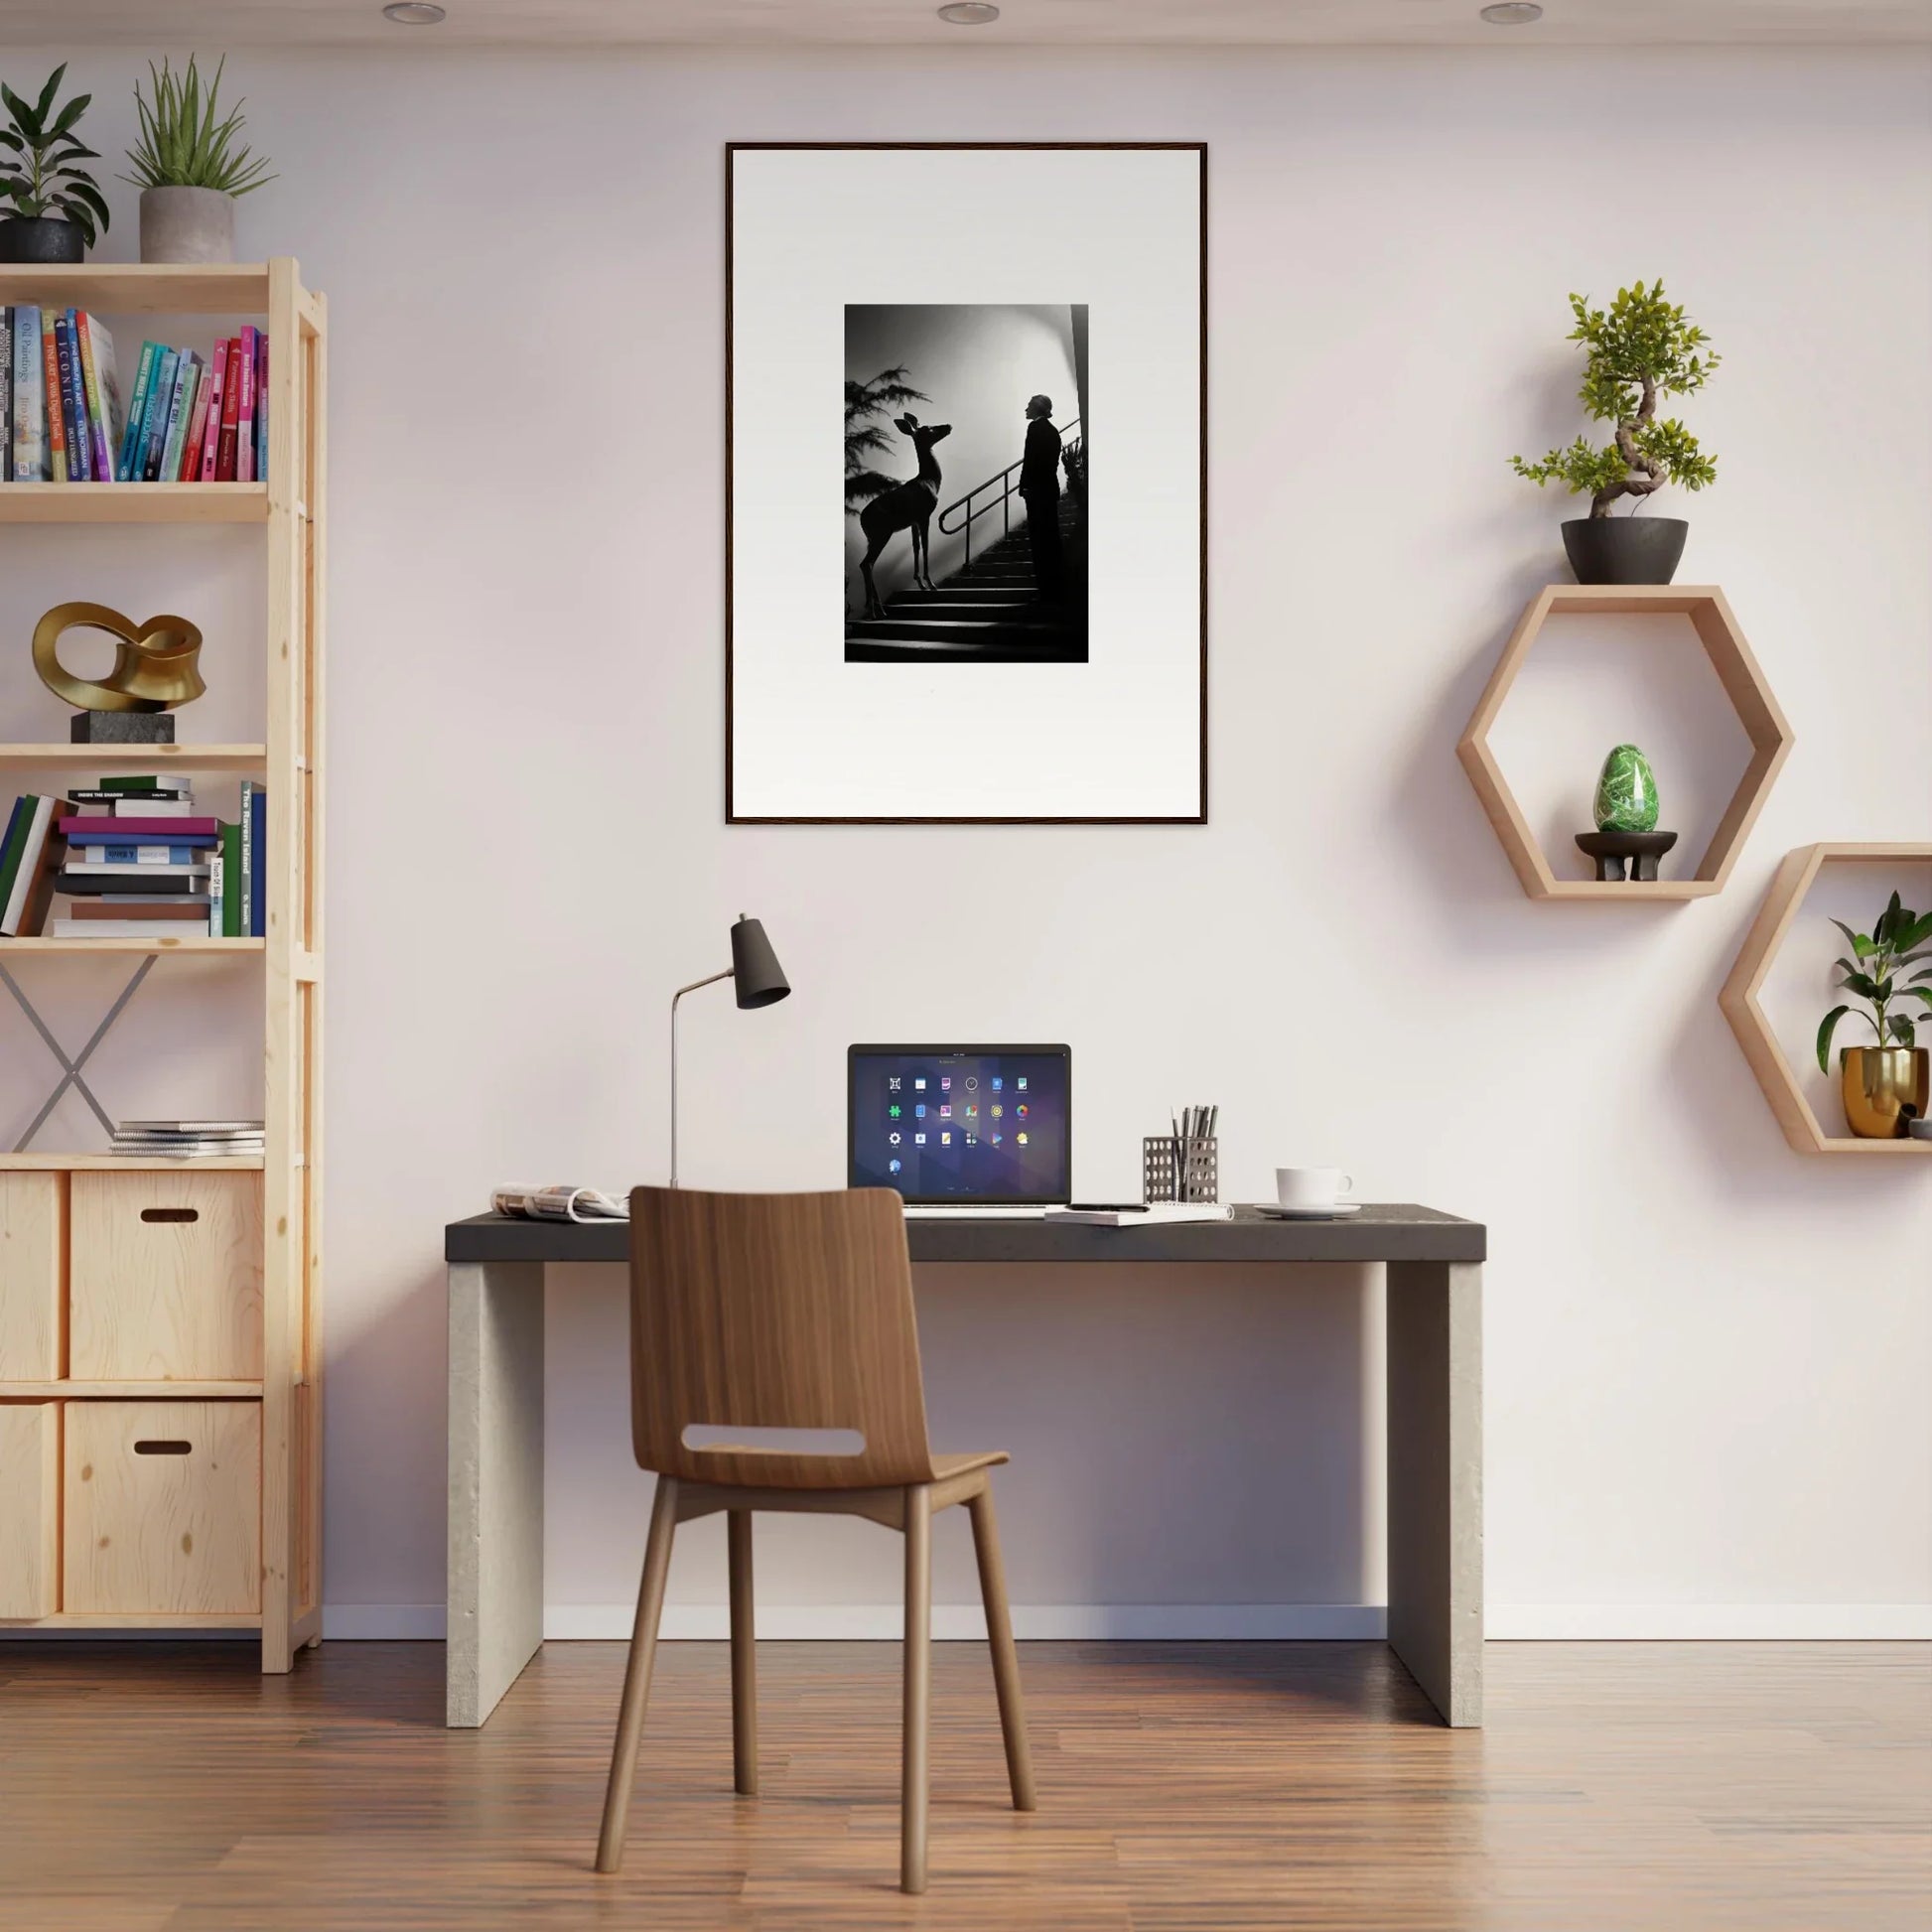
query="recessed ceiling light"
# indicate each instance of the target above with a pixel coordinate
(969, 13)
(414, 13)
(1512, 13)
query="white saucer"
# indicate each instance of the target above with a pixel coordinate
(1269, 1210)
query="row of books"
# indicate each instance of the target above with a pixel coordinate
(189, 418)
(136, 860)
(188, 1140)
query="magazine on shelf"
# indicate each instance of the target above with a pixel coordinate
(559, 1203)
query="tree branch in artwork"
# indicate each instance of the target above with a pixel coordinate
(864, 438)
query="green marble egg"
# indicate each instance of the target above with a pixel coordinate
(1626, 792)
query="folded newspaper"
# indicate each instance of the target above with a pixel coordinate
(559, 1204)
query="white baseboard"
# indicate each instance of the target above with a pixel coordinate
(1196, 1623)
(1171, 1622)
(1708, 1622)
(956, 1623)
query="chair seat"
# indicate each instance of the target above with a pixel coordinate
(947, 1466)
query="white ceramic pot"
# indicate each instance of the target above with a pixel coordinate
(186, 224)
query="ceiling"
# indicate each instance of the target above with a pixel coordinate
(1288, 23)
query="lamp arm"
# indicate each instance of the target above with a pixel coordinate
(711, 980)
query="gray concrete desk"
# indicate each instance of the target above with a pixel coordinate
(1434, 1413)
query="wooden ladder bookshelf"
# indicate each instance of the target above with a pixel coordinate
(38, 1500)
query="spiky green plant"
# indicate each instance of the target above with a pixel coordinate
(1896, 940)
(1637, 350)
(37, 178)
(182, 144)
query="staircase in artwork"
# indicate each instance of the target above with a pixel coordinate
(986, 612)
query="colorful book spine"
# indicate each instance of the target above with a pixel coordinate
(102, 380)
(190, 466)
(261, 407)
(74, 401)
(136, 831)
(218, 390)
(33, 881)
(233, 865)
(6, 395)
(231, 417)
(138, 855)
(258, 864)
(179, 411)
(244, 466)
(30, 417)
(155, 430)
(57, 421)
(217, 905)
(137, 404)
(16, 823)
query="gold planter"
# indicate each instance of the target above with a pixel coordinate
(1881, 1085)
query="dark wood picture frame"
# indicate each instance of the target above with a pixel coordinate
(732, 150)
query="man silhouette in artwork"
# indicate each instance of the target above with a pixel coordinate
(1039, 490)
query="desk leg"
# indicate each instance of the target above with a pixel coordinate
(1435, 1329)
(496, 1584)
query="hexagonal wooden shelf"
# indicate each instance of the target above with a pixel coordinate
(1738, 998)
(1744, 683)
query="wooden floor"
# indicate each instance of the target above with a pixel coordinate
(1685, 1788)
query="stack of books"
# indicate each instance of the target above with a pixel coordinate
(189, 418)
(136, 860)
(188, 1140)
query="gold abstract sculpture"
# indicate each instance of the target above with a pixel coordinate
(154, 662)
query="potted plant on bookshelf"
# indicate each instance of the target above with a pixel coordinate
(189, 169)
(51, 208)
(1637, 352)
(1884, 1085)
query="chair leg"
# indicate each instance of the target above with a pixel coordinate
(637, 1675)
(916, 1736)
(1005, 1659)
(745, 1668)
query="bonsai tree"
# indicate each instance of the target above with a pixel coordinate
(1896, 940)
(38, 151)
(182, 144)
(864, 401)
(1639, 349)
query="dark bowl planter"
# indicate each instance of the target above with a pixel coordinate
(40, 238)
(1624, 549)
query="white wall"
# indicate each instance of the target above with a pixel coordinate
(1707, 1358)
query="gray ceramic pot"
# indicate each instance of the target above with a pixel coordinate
(186, 224)
(1624, 549)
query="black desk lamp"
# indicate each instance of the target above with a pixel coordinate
(758, 981)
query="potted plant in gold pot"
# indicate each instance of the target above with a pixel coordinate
(189, 168)
(1884, 1085)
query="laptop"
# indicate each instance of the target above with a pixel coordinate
(962, 1130)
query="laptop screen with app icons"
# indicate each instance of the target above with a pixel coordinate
(962, 1125)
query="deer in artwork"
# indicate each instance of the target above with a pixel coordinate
(905, 507)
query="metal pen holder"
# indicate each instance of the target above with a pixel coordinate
(1180, 1170)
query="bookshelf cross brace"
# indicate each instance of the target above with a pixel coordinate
(71, 1075)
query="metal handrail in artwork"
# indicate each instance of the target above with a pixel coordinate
(1003, 500)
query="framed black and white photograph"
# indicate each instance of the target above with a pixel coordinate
(987, 623)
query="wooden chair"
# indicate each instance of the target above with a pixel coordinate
(793, 1312)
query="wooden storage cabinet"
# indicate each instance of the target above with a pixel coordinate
(195, 1289)
(162, 1509)
(33, 1274)
(30, 1508)
(165, 1276)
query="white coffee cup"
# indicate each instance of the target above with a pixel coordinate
(1311, 1188)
